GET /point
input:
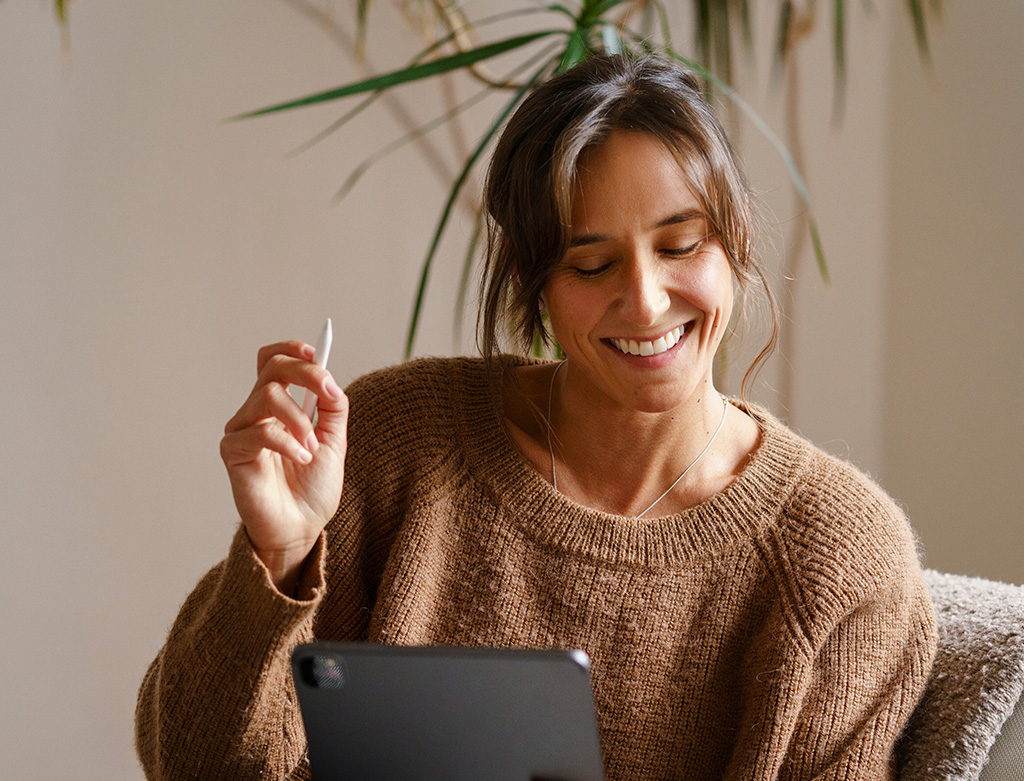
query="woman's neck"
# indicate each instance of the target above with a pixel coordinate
(621, 460)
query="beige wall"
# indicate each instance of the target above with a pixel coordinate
(837, 329)
(147, 249)
(954, 352)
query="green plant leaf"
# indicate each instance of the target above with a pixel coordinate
(368, 101)
(559, 8)
(464, 277)
(411, 136)
(376, 95)
(702, 9)
(340, 122)
(406, 75)
(917, 13)
(575, 51)
(713, 39)
(592, 12)
(839, 50)
(746, 25)
(453, 197)
(782, 38)
(362, 15)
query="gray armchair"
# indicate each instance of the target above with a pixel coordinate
(969, 725)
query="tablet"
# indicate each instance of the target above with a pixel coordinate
(446, 714)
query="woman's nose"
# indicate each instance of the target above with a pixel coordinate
(644, 297)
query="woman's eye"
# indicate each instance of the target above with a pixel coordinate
(682, 252)
(592, 271)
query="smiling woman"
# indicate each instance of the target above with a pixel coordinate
(639, 303)
(754, 608)
(616, 201)
(540, 164)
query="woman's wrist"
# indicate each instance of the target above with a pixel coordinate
(285, 567)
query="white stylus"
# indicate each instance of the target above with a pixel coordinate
(323, 349)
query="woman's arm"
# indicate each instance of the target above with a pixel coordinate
(867, 679)
(862, 622)
(218, 701)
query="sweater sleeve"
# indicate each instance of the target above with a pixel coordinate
(867, 678)
(869, 625)
(863, 632)
(218, 701)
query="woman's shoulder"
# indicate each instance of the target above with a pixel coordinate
(420, 376)
(840, 532)
(823, 488)
(420, 408)
(424, 390)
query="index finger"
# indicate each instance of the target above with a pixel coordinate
(293, 348)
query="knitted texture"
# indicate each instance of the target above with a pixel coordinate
(780, 629)
(977, 680)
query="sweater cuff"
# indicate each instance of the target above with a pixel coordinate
(261, 617)
(309, 586)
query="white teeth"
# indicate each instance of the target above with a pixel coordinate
(658, 346)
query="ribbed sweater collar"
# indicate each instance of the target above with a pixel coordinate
(742, 511)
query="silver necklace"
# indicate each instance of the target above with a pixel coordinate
(707, 447)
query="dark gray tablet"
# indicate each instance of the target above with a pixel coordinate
(446, 714)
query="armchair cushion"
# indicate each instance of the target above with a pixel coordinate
(975, 684)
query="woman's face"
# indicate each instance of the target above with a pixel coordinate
(642, 298)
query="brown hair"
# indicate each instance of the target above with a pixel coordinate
(532, 174)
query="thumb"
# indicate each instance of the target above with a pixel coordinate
(332, 415)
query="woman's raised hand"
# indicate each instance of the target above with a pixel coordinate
(286, 475)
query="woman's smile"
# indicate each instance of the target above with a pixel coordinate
(650, 347)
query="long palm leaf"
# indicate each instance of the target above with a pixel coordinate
(406, 75)
(575, 51)
(467, 269)
(419, 57)
(593, 11)
(436, 122)
(453, 196)
(839, 52)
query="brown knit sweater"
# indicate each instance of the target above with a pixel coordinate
(779, 630)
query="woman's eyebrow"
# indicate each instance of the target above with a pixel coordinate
(587, 238)
(679, 217)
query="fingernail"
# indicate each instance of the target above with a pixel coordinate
(333, 390)
(305, 456)
(312, 443)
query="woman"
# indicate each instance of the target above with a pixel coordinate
(753, 608)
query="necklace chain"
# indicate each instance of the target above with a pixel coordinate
(707, 447)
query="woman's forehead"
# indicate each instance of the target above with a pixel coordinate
(633, 178)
